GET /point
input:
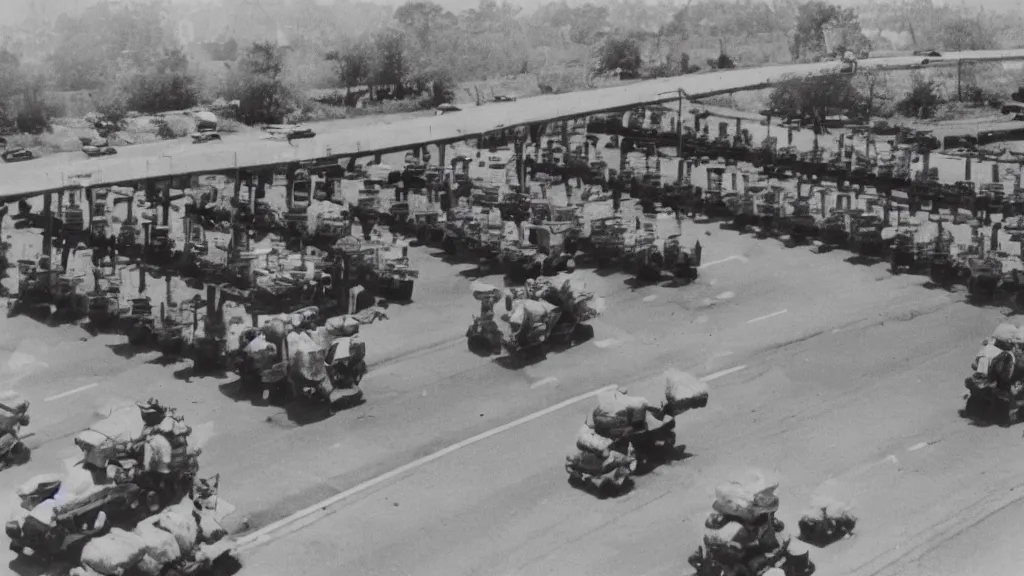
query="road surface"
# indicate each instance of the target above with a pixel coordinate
(757, 304)
(178, 157)
(842, 366)
(857, 401)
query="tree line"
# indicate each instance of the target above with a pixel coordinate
(133, 57)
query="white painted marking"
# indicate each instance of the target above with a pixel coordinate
(21, 362)
(262, 535)
(544, 382)
(721, 373)
(767, 316)
(891, 458)
(724, 260)
(917, 447)
(650, 298)
(607, 343)
(725, 296)
(70, 392)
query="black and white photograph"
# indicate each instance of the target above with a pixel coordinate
(512, 287)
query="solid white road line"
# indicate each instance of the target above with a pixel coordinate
(70, 392)
(263, 535)
(308, 515)
(544, 382)
(721, 373)
(724, 260)
(767, 316)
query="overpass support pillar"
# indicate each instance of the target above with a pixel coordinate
(967, 169)
(47, 225)
(378, 158)
(520, 165)
(696, 123)
(789, 136)
(251, 185)
(290, 184)
(417, 152)
(446, 173)
(995, 172)
(565, 134)
(166, 204)
(739, 125)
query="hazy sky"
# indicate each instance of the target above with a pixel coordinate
(17, 10)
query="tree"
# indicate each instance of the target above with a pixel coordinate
(922, 101)
(257, 85)
(390, 67)
(164, 85)
(422, 18)
(814, 99)
(33, 114)
(958, 33)
(353, 66)
(92, 43)
(23, 105)
(621, 54)
(821, 28)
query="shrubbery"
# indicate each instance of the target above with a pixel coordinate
(922, 101)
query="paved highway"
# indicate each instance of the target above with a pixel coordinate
(825, 370)
(819, 339)
(180, 157)
(845, 394)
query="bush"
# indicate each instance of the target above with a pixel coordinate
(262, 95)
(155, 92)
(33, 119)
(922, 101)
(261, 99)
(442, 89)
(113, 106)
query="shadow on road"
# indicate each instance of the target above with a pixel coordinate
(676, 454)
(191, 371)
(28, 566)
(520, 361)
(862, 260)
(126, 350)
(298, 411)
(603, 493)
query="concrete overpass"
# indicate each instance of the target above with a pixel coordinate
(150, 162)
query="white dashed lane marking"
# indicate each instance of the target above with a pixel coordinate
(71, 392)
(724, 260)
(544, 382)
(767, 316)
